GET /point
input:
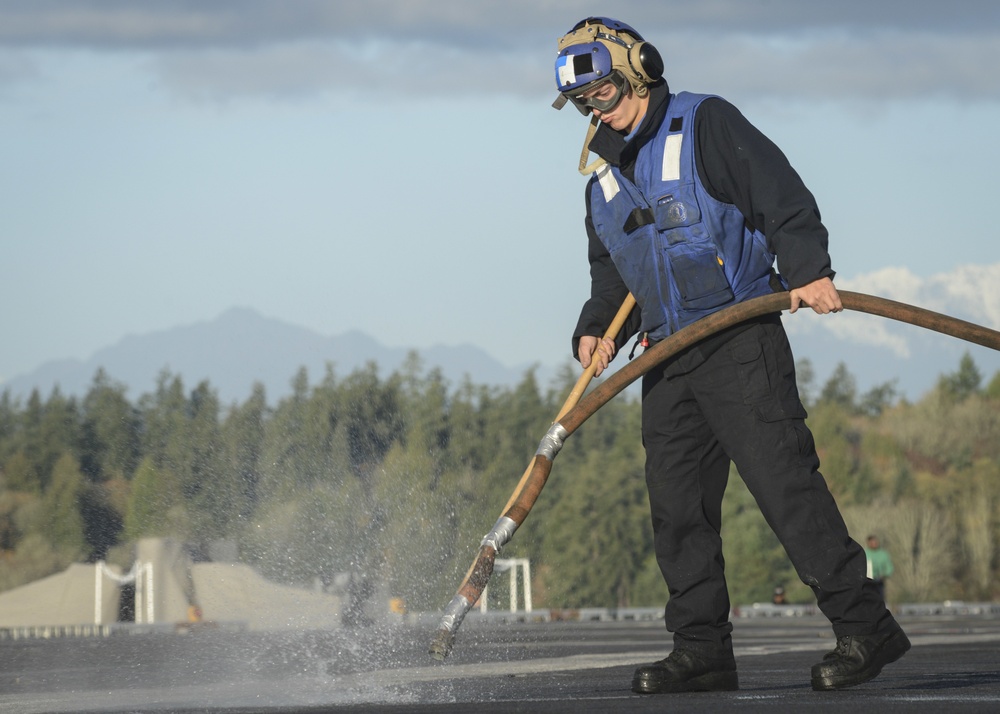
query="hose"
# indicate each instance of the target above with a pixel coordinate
(533, 481)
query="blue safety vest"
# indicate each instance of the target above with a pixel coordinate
(682, 253)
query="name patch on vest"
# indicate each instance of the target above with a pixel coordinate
(672, 157)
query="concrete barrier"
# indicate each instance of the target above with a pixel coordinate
(236, 592)
(81, 594)
(170, 591)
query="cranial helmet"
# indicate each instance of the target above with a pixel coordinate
(594, 51)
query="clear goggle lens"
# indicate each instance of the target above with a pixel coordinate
(603, 96)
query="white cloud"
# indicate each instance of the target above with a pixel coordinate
(970, 292)
(868, 330)
(880, 350)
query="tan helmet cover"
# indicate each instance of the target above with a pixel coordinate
(625, 51)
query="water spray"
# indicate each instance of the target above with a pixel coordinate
(577, 410)
(517, 507)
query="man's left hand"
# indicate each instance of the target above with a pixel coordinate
(820, 295)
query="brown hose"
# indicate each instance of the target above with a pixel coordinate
(578, 389)
(533, 481)
(526, 492)
(682, 339)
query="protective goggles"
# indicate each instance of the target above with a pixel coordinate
(602, 95)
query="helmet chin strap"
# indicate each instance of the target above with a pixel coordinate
(585, 154)
(641, 90)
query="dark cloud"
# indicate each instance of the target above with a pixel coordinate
(837, 66)
(186, 24)
(513, 23)
(271, 48)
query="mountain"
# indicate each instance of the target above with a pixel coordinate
(241, 347)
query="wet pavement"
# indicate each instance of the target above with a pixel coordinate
(552, 667)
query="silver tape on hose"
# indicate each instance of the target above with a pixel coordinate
(503, 531)
(455, 613)
(552, 442)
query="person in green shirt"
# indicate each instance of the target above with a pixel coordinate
(879, 563)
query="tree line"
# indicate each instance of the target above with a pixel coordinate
(396, 479)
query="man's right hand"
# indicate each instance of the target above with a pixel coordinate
(820, 295)
(604, 349)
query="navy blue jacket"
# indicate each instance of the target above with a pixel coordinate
(736, 165)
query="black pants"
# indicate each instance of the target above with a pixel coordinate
(740, 403)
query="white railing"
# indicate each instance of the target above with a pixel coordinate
(511, 565)
(141, 574)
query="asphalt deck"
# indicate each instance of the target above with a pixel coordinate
(552, 667)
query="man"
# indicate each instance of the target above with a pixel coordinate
(687, 207)
(879, 563)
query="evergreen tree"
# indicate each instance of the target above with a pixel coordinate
(103, 511)
(8, 425)
(212, 492)
(425, 406)
(46, 431)
(993, 388)
(243, 433)
(806, 380)
(963, 383)
(371, 417)
(841, 389)
(396, 480)
(419, 517)
(596, 532)
(289, 459)
(323, 433)
(164, 417)
(155, 506)
(838, 439)
(60, 520)
(593, 519)
(109, 431)
(30, 446)
(878, 399)
(21, 475)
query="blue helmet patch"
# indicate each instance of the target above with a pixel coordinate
(579, 65)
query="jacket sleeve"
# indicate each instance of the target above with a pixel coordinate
(739, 165)
(607, 291)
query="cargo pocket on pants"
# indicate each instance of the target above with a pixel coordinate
(762, 385)
(752, 367)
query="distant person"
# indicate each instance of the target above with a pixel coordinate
(879, 563)
(778, 598)
(687, 207)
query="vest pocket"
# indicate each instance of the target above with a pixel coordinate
(700, 280)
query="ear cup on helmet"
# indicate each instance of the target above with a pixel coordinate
(646, 62)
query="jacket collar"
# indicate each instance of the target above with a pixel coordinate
(611, 146)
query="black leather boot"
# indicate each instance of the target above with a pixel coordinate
(685, 671)
(859, 658)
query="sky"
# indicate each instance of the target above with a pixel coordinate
(395, 167)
